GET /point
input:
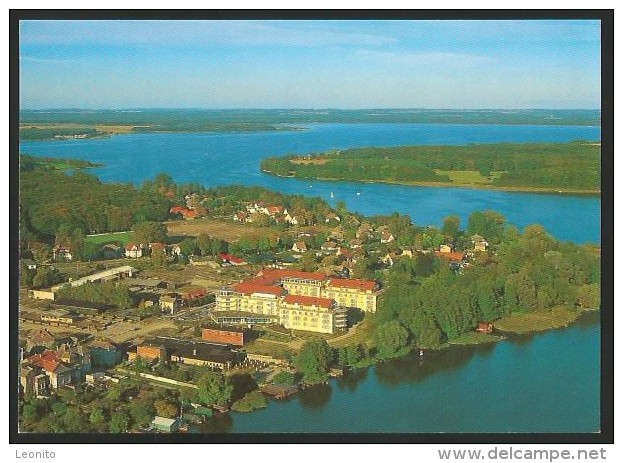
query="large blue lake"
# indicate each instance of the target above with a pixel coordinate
(233, 158)
(542, 383)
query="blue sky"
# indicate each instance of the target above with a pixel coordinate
(310, 64)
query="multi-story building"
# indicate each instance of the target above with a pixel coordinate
(302, 300)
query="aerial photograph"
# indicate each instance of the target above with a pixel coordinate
(308, 227)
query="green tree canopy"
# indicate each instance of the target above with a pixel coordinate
(313, 360)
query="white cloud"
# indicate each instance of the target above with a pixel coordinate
(193, 32)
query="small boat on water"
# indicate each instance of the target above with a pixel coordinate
(332, 195)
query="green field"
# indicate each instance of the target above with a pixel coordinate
(115, 237)
(558, 317)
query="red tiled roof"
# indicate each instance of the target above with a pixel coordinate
(190, 214)
(450, 255)
(230, 258)
(308, 301)
(130, 246)
(177, 209)
(362, 285)
(255, 286)
(48, 360)
(274, 209)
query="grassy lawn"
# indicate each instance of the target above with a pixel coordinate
(526, 323)
(225, 230)
(273, 349)
(123, 237)
(361, 334)
(468, 177)
(474, 338)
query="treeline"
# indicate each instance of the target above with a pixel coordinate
(194, 117)
(575, 165)
(529, 272)
(52, 201)
(107, 292)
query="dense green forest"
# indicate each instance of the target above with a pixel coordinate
(426, 303)
(255, 119)
(572, 166)
(45, 133)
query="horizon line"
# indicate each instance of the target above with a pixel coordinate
(143, 108)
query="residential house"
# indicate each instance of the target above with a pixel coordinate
(78, 357)
(480, 244)
(386, 236)
(175, 250)
(190, 214)
(292, 220)
(34, 381)
(241, 217)
(445, 248)
(169, 302)
(105, 354)
(299, 246)
(60, 374)
(41, 338)
(134, 250)
(112, 251)
(162, 424)
(61, 253)
(231, 260)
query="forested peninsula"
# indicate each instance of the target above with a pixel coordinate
(573, 168)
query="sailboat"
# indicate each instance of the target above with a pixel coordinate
(332, 195)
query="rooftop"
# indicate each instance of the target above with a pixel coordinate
(309, 301)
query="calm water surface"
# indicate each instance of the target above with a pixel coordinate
(541, 383)
(234, 158)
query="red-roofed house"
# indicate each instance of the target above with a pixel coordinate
(59, 373)
(233, 260)
(453, 256)
(190, 214)
(134, 250)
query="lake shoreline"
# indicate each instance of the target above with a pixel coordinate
(531, 190)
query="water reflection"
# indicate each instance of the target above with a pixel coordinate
(351, 379)
(413, 369)
(315, 397)
(220, 423)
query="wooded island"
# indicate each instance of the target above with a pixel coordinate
(548, 167)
